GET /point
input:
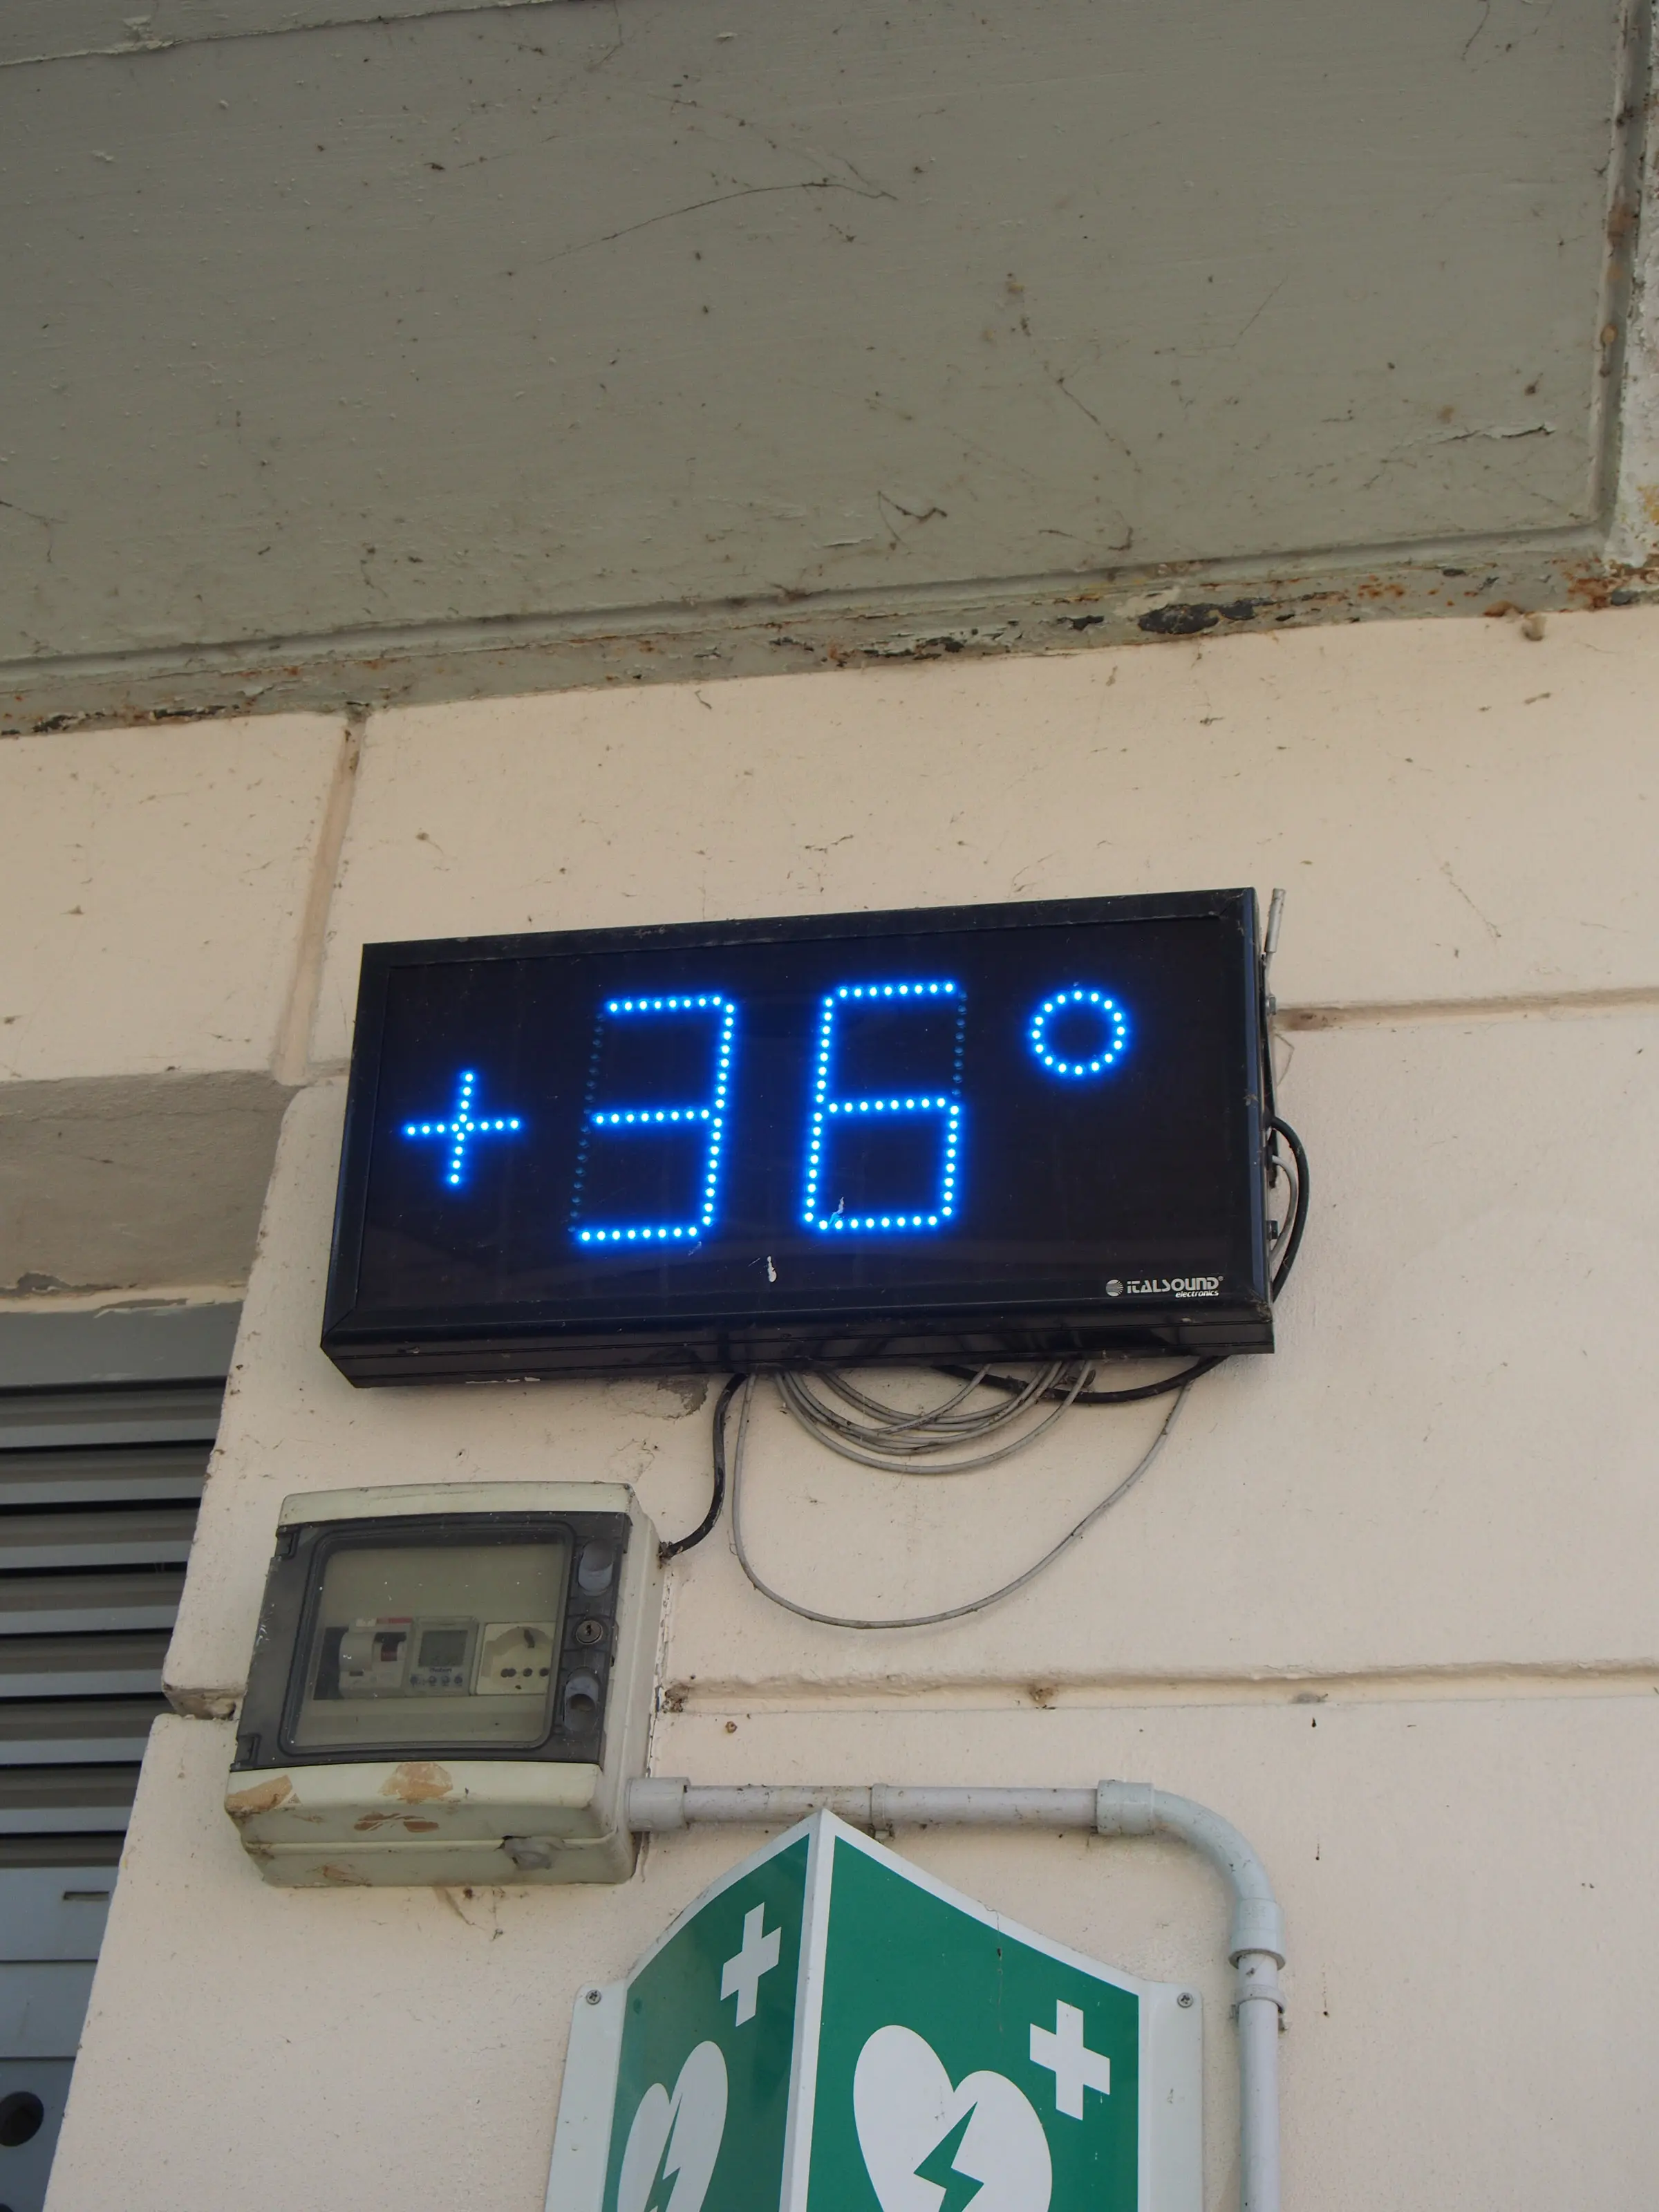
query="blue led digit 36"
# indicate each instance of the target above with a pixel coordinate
(462, 1126)
(640, 1121)
(830, 1111)
(1081, 999)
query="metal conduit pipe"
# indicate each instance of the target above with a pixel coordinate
(1255, 1940)
(1255, 1949)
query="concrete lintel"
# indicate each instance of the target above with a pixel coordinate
(124, 1183)
(435, 662)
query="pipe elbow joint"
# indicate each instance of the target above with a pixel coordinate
(1135, 1809)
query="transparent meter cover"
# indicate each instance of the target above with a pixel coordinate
(433, 1644)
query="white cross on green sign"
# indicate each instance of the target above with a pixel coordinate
(830, 2030)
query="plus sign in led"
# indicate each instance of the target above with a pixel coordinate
(1082, 1004)
(463, 1128)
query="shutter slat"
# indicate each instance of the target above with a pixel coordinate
(169, 1413)
(37, 1801)
(67, 1605)
(59, 1732)
(118, 1475)
(143, 1535)
(119, 1665)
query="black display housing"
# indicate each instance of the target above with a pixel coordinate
(282, 1643)
(1073, 1120)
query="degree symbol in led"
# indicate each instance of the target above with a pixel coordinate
(1115, 1027)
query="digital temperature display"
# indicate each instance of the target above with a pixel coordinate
(997, 1132)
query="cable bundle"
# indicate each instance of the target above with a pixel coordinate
(879, 1435)
(914, 1443)
(1120, 1490)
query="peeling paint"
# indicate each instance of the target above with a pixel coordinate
(1187, 617)
(263, 1797)
(418, 1782)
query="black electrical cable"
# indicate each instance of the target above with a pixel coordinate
(722, 1407)
(1299, 1220)
(1129, 1397)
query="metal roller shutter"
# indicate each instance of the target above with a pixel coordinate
(99, 1492)
(103, 1443)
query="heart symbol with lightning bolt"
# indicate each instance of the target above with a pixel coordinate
(930, 2147)
(677, 2135)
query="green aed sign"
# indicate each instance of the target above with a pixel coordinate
(830, 2030)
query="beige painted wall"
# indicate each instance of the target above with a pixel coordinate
(160, 902)
(1458, 812)
(1387, 1599)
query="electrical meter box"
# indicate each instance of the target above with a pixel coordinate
(450, 1684)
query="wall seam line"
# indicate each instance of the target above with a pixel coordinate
(291, 1063)
(1518, 1006)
